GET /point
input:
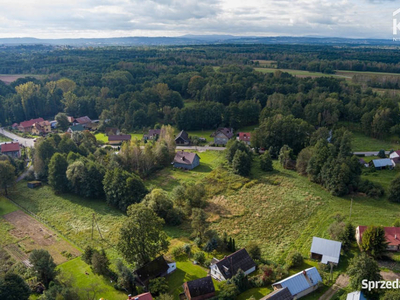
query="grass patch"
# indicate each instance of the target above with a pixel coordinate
(4, 139)
(299, 73)
(6, 206)
(361, 142)
(85, 284)
(257, 293)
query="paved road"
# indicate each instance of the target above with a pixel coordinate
(200, 148)
(370, 153)
(23, 141)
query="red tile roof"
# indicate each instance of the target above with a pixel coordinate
(29, 123)
(11, 147)
(392, 234)
(83, 120)
(244, 136)
(144, 296)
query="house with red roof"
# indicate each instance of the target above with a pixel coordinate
(11, 149)
(144, 296)
(392, 235)
(26, 126)
(244, 137)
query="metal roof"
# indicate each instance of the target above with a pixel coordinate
(384, 162)
(330, 250)
(300, 282)
(355, 296)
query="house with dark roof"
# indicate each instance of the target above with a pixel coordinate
(222, 135)
(392, 235)
(300, 284)
(26, 126)
(227, 267)
(395, 154)
(244, 137)
(11, 149)
(144, 296)
(199, 289)
(280, 294)
(153, 134)
(74, 128)
(158, 267)
(186, 160)
(119, 139)
(325, 251)
(182, 138)
(355, 296)
(84, 121)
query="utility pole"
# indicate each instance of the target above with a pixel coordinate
(351, 206)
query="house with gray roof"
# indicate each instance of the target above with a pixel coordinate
(182, 138)
(228, 267)
(326, 251)
(300, 284)
(383, 163)
(186, 160)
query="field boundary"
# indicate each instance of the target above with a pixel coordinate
(44, 222)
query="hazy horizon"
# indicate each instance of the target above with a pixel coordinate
(171, 18)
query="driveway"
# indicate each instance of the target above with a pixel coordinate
(22, 141)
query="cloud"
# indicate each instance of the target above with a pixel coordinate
(107, 18)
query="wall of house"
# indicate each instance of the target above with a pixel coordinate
(250, 271)
(220, 139)
(172, 267)
(203, 297)
(306, 292)
(216, 274)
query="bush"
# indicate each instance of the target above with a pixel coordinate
(294, 259)
(199, 257)
(381, 153)
(177, 251)
(371, 189)
(87, 255)
(158, 286)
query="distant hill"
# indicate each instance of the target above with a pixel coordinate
(194, 40)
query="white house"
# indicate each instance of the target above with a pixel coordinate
(226, 268)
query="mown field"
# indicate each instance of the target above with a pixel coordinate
(299, 73)
(361, 142)
(8, 78)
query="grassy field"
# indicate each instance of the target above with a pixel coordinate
(102, 137)
(4, 139)
(299, 73)
(6, 206)
(70, 214)
(94, 285)
(361, 142)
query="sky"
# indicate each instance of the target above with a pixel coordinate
(121, 18)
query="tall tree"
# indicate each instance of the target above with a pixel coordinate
(13, 287)
(394, 189)
(374, 241)
(7, 175)
(142, 237)
(44, 265)
(62, 121)
(58, 173)
(199, 223)
(266, 162)
(241, 163)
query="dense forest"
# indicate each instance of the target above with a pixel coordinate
(136, 88)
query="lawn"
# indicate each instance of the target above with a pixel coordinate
(92, 284)
(6, 206)
(202, 133)
(170, 177)
(104, 138)
(299, 73)
(361, 142)
(4, 139)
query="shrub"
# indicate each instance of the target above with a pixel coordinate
(158, 286)
(87, 255)
(177, 251)
(371, 189)
(381, 153)
(294, 259)
(200, 257)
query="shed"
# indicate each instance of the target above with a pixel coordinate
(199, 289)
(186, 160)
(280, 294)
(300, 284)
(355, 296)
(384, 163)
(327, 251)
(34, 184)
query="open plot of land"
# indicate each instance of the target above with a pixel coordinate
(71, 215)
(361, 142)
(34, 235)
(299, 73)
(4, 139)
(267, 63)
(8, 78)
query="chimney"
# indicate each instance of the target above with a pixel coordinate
(129, 297)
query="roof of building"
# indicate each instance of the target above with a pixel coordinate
(11, 147)
(29, 123)
(383, 162)
(186, 158)
(244, 136)
(153, 269)
(228, 132)
(280, 294)
(202, 286)
(301, 281)
(330, 250)
(121, 137)
(78, 127)
(392, 234)
(355, 296)
(396, 160)
(183, 135)
(83, 120)
(397, 152)
(231, 264)
(144, 296)
(153, 132)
